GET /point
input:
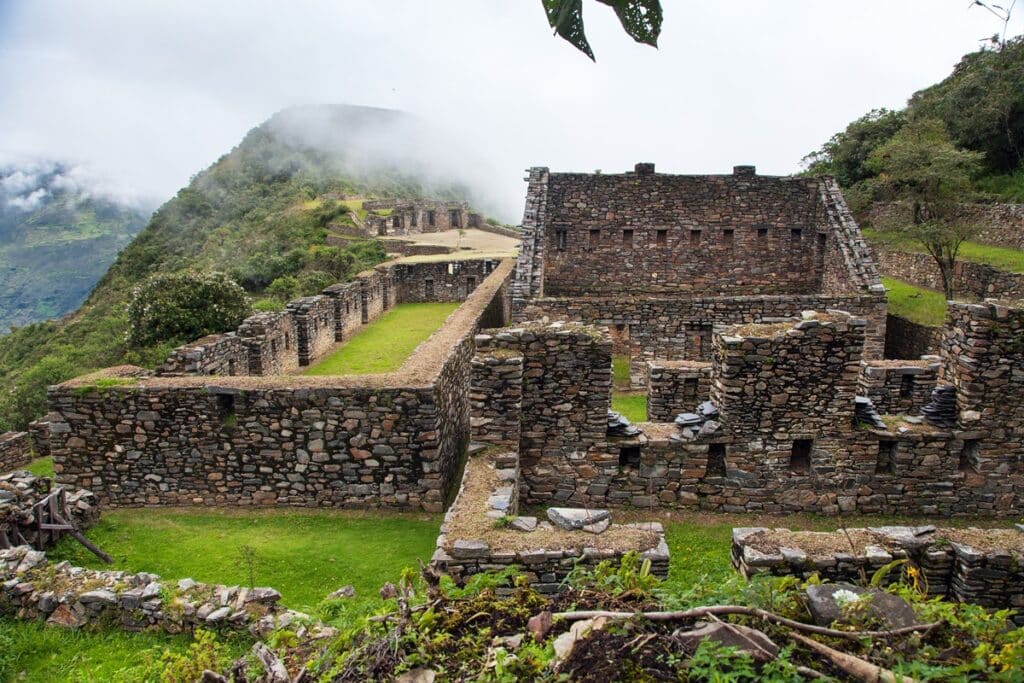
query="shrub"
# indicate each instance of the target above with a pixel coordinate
(184, 306)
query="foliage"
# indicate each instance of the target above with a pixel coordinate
(384, 345)
(631, 574)
(1003, 258)
(183, 306)
(205, 652)
(641, 20)
(921, 165)
(922, 306)
(632, 405)
(846, 154)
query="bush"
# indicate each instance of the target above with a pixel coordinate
(184, 306)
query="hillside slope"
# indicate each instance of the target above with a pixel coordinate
(57, 238)
(260, 213)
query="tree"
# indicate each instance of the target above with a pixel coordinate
(641, 19)
(183, 306)
(846, 154)
(921, 165)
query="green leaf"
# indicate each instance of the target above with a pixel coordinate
(566, 17)
(641, 19)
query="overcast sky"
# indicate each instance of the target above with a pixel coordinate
(149, 93)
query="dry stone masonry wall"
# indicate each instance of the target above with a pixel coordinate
(676, 386)
(970, 279)
(899, 387)
(1001, 225)
(15, 450)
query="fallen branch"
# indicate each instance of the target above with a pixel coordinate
(723, 610)
(862, 670)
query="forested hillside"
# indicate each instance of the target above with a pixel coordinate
(981, 107)
(260, 213)
(57, 238)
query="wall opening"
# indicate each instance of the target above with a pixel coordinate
(886, 461)
(716, 460)
(907, 386)
(690, 387)
(226, 410)
(661, 238)
(795, 234)
(431, 218)
(414, 218)
(800, 456)
(822, 241)
(627, 238)
(455, 218)
(970, 456)
(629, 456)
(428, 289)
(470, 285)
(694, 237)
(287, 341)
(595, 237)
(231, 367)
(563, 239)
(396, 222)
(762, 233)
(727, 237)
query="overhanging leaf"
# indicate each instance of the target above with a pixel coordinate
(566, 17)
(640, 18)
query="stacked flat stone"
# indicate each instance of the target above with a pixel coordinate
(620, 426)
(865, 413)
(21, 490)
(701, 423)
(941, 411)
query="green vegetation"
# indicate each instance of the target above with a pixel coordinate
(923, 306)
(620, 371)
(54, 252)
(632, 405)
(41, 467)
(304, 555)
(260, 213)
(384, 344)
(1011, 260)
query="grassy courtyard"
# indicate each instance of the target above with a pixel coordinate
(918, 305)
(1003, 258)
(384, 344)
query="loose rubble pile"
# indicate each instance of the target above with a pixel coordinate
(700, 423)
(68, 596)
(620, 426)
(21, 492)
(941, 411)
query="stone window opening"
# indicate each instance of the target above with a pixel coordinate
(690, 387)
(795, 234)
(629, 456)
(762, 233)
(287, 341)
(886, 461)
(800, 456)
(627, 239)
(396, 222)
(907, 386)
(595, 238)
(231, 367)
(455, 218)
(822, 241)
(226, 409)
(970, 456)
(563, 239)
(716, 460)
(727, 237)
(694, 237)
(413, 219)
(661, 238)
(428, 289)
(470, 285)
(273, 346)
(431, 218)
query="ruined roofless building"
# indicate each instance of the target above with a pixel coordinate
(660, 259)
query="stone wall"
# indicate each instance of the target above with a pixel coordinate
(375, 293)
(659, 328)
(314, 327)
(676, 386)
(565, 399)
(348, 311)
(969, 279)
(215, 354)
(409, 217)
(496, 397)
(899, 388)
(1001, 225)
(905, 339)
(978, 566)
(389, 440)
(15, 450)
(271, 339)
(441, 280)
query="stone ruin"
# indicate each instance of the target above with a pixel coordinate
(413, 217)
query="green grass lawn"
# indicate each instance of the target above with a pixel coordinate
(384, 344)
(304, 555)
(998, 257)
(918, 305)
(633, 406)
(41, 467)
(620, 371)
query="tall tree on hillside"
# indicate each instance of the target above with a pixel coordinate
(921, 165)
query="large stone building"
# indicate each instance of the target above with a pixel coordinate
(661, 259)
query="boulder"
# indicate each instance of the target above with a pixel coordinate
(743, 638)
(825, 603)
(343, 592)
(573, 519)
